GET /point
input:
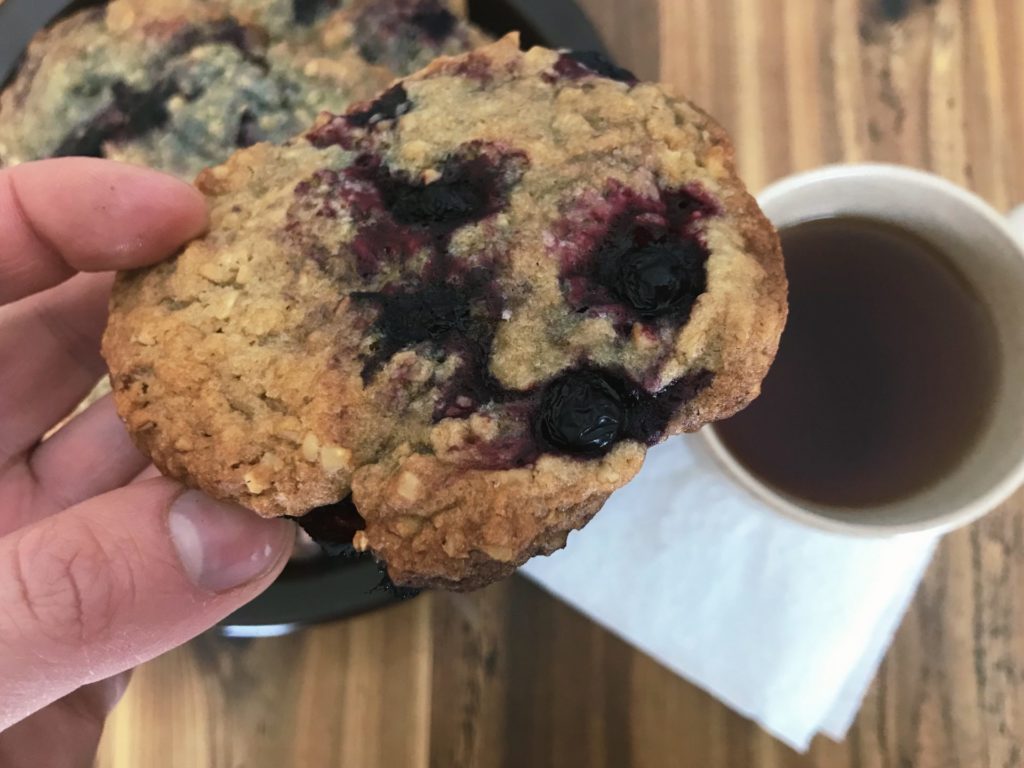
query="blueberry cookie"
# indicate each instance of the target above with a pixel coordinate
(447, 324)
(180, 84)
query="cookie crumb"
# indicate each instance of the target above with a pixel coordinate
(334, 458)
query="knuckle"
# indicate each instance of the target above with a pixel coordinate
(70, 586)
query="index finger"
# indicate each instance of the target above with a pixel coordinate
(58, 217)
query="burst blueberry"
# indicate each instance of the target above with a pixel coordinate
(433, 313)
(576, 64)
(468, 190)
(392, 104)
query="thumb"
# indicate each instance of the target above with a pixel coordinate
(118, 580)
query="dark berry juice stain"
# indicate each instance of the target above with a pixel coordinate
(389, 32)
(451, 306)
(436, 312)
(636, 259)
(334, 526)
(587, 411)
(649, 413)
(469, 189)
(472, 386)
(397, 217)
(392, 104)
(581, 413)
(378, 243)
(131, 114)
(474, 183)
(660, 278)
(248, 130)
(573, 65)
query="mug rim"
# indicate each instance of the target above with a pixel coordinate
(806, 513)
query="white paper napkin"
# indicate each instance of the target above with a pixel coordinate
(785, 624)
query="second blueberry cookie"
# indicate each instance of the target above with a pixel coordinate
(178, 85)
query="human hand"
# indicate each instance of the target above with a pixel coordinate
(100, 568)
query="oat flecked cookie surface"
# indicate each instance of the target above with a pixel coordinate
(178, 85)
(448, 324)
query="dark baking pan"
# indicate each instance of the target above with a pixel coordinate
(325, 589)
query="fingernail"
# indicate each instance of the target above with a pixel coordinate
(223, 546)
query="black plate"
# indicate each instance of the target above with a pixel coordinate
(309, 593)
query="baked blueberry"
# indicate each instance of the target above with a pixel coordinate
(662, 278)
(249, 132)
(636, 258)
(467, 191)
(393, 103)
(131, 114)
(581, 414)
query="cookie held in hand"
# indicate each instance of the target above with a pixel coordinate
(458, 314)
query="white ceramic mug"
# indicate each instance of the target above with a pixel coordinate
(983, 245)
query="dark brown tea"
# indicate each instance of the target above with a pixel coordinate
(886, 372)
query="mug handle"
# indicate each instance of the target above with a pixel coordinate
(1016, 219)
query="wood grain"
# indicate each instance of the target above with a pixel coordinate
(510, 678)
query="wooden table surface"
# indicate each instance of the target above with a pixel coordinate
(509, 677)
